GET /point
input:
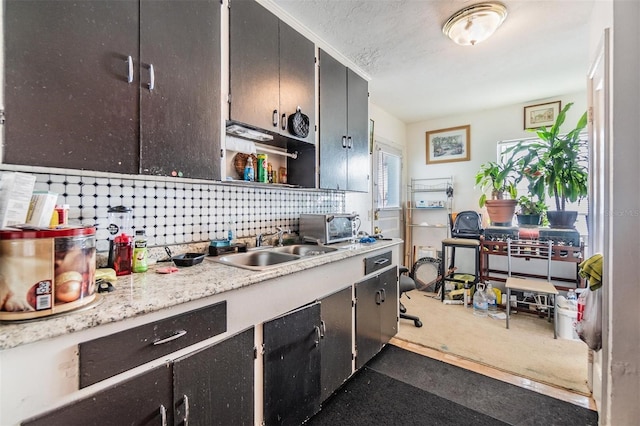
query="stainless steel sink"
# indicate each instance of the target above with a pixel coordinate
(262, 259)
(257, 260)
(305, 249)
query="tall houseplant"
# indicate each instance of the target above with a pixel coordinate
(555, 165)
(498, 180)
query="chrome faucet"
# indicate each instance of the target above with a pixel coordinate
(259, 240)
(281, 233)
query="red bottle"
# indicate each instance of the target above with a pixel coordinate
(123, 254)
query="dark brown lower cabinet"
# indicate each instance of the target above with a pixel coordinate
(335, 346)
(142, 400)
(292, 366)
(376, 314)
(212, 386)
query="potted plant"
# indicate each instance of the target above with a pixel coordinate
(555, 165)
(499, 180)
(531, 212)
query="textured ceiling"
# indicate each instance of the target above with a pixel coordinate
(417, 73)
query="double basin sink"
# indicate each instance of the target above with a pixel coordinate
(266, 258)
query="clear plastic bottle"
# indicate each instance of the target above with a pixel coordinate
(480, 306)
(572, 298)
(492, 300)
(231, 231)
(140, 252)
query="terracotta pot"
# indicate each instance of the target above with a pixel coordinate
(501, 211)
(562, 219)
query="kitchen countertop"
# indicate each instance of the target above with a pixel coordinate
(139, 294)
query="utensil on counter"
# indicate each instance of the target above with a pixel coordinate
(168, 269)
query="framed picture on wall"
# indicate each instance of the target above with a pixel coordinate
(541, 115)
(448, 145)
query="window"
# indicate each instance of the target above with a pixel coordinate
(581, 207)
(388, 180)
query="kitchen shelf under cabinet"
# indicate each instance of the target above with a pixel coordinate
(115, 86)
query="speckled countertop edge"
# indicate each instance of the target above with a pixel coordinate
(148, 292)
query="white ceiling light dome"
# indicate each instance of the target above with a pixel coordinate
(475, 23)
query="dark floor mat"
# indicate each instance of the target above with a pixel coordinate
(371, 398)
(500, 400)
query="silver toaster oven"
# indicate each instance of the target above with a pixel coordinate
(328, 228)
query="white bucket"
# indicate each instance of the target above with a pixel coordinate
(567, 319)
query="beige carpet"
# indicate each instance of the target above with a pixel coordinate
(527, 349)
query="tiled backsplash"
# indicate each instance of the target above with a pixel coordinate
(179, 211)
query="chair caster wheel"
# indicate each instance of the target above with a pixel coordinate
(403, 310)
(417, 323)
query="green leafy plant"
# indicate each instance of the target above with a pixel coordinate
(497, 179)
(554, 164)
(527, 205)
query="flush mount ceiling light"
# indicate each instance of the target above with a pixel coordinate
(475, 23)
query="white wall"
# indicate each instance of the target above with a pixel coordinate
(487, 128)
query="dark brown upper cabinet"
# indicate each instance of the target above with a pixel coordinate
(272, 71)
(119, 86)
(344, 115)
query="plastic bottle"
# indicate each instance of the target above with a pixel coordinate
(123, 254)
(572, 298)
(480, 306)
(140, 252)
(248, 170)
(231, 231)
(492, 300)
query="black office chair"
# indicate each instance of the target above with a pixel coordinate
(406, 283)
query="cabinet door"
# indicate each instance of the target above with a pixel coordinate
(253, 65)
(388, 282)
(143, 400)
(180, 115)
(67, 100)
(333, 123)
(336, 311)
(297, 79)
(368, 301)
(292, 367)
(358, 168)
(215, 385)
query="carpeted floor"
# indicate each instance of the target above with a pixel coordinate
(527, 349)
(399, 387)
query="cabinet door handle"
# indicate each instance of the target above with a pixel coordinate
(378, 297)
(323, 329)
(344, 141)
(163, 415)
(283, 122)
(349, 142)
(318, 336)
(186, 410)
(178, 334)
(130, 71)
(383, 292)
(274, 118)
(381, 261)
(152, 78)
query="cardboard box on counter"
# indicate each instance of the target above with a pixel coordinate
(15, 196)
(41, 208)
